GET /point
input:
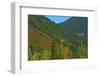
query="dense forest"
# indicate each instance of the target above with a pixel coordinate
(48, 40)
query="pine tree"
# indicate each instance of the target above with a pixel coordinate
(53, 50)
(82, 50)
(65, 51)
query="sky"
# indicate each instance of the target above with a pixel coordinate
(58, 19)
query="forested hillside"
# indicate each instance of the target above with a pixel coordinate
(48, 40)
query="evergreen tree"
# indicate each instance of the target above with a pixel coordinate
(65, 51)
(82, 50)
(53, 50)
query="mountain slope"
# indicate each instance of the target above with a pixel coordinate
(71, 30)
(76, 25)
(44, 24)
